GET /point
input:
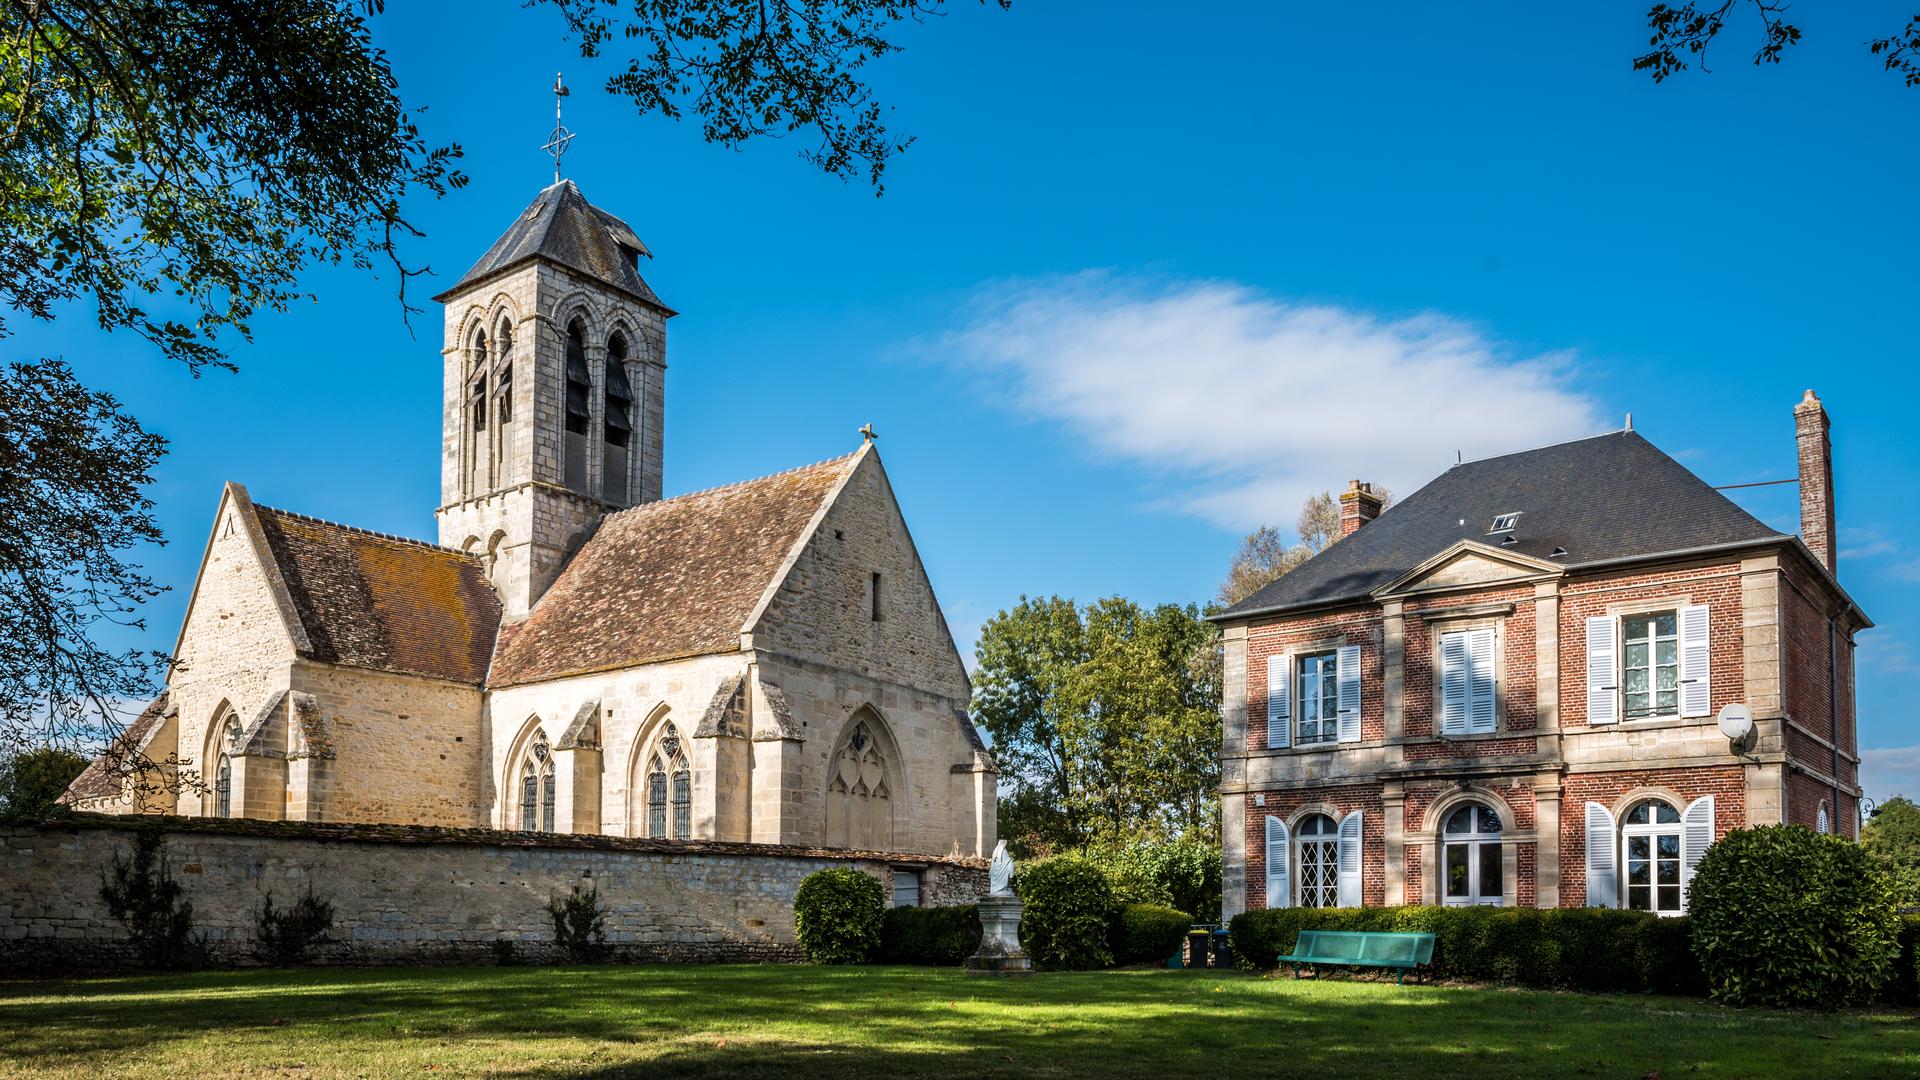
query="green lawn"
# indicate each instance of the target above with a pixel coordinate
(893, 1022)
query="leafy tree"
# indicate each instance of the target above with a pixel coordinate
(1893, 833)
(1681, 34)
(753, 68)
(1265, 556)
(32, 781)
(72, 470)
(1106, 723)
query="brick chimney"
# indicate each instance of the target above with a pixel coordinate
(1358, 505)
(1816, 478)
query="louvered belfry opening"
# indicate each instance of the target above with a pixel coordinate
(579, 412)
(619, 423)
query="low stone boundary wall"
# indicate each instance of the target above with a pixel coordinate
(421, 895)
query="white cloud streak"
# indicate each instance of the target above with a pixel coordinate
(1243, 404)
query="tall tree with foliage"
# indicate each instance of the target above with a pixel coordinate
(1104, 722)
(1679, 35)
(1893, 833)
(32, 781)
(173, 167)
(1265, 556)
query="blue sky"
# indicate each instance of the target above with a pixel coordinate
(1151, 274)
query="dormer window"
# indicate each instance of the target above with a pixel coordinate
(1505, 522)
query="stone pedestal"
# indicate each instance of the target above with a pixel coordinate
(999, 952)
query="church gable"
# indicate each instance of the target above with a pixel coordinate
(856, 596)
(239, 609)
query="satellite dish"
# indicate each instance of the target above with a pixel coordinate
(1736, 721)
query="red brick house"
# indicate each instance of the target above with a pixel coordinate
(1505, 689)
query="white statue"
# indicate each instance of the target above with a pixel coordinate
(1000, 871)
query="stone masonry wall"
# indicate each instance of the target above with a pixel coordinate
(414, 895)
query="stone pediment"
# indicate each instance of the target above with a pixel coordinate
(1469, 564)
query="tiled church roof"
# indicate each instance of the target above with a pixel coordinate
(375, 601)
(1610, 497)
(563, 227)
(105, 776)
(668, 579)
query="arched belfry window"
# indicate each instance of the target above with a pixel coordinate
(859, 799)
(669, 787)
(502, 396)
(619, 421)
(579, 412)
(477, 455)
(536, 788)
(225, 744)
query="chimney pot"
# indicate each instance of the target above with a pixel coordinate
(1810, 424)
(1359, 504)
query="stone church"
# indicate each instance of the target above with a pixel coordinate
(763, 662)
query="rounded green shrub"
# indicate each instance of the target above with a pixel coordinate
(1147, 933)
(837, 915)
(1067, 912)
(940, 936)
(1787, 917)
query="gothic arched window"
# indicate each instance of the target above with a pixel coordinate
(477, 413)
(224, 744)
(536, 788)
(579, 413)
(669, 789)
(859, 801)
(619, 421)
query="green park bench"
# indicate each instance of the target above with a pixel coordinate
(1350, 948)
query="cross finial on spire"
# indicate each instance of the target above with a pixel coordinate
(866, 431)
(559, 137)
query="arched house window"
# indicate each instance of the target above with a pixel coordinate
(1472, 862)
(536, 781)
(1644, 860)
(619, 422)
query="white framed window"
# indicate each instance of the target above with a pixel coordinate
(1506, 522)
(1468, 683)
(1823, 824)
(1316, 856)
(1319, 697)
(1650, 849)
(1650, 664)
(1471, 858)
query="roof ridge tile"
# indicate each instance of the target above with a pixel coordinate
(375, 533)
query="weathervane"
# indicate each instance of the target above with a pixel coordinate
(558, 139)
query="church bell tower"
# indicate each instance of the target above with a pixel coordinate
(555, 366)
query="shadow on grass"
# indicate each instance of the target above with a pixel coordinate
(892, 1022)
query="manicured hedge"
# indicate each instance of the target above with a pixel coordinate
(1790, 918)
(1067, 913)
(1573, 948)
(1904, 987)
(939, 936)
(837, 915)
(1147, 933)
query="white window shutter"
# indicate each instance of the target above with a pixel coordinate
(1276, 862)
(1348, 662)
(1480, 711)
(1279, 717)
(1603, 698)
(1696, 684)
(1454, 664)
(1696, 836)
(1348, 858)
(1603, 871)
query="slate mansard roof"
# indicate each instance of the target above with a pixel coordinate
(671, 579)
(561, 226)
(368, 600)
(1607, 498)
